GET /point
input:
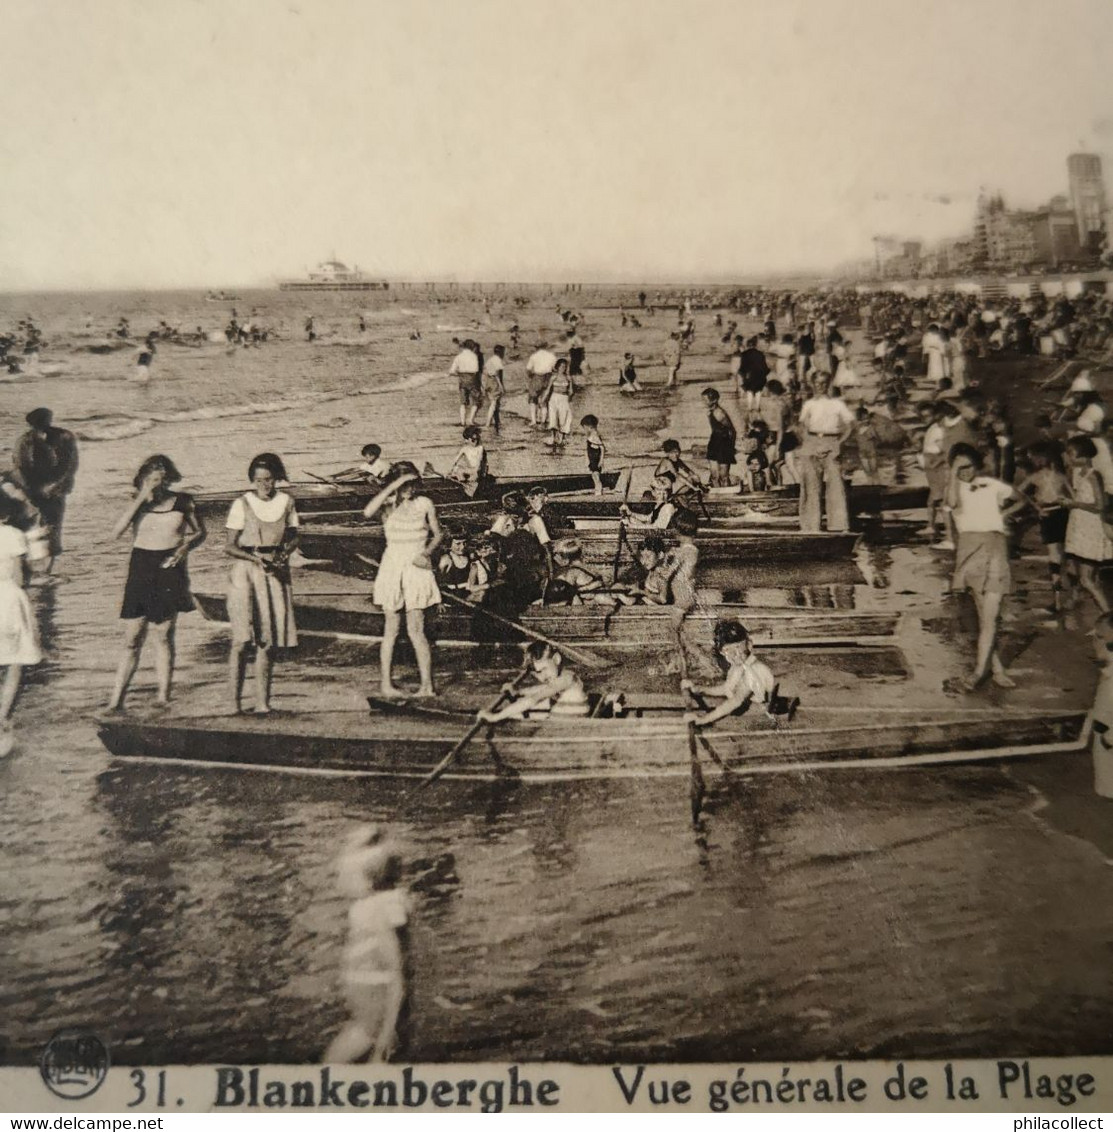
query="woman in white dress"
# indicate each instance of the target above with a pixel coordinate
(19, 638)
(406, 580)
(934, 351)
(261, 534)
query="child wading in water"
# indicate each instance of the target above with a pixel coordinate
(373, 974)
(19, 638)
(596, 450)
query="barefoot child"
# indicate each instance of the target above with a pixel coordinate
(596, 450)
(19, 638)
(373, 974)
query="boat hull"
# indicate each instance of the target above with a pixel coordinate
(406, 744)
(312, 497)
(342, 546)
(633, 626)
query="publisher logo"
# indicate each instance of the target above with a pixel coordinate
(74, 1064)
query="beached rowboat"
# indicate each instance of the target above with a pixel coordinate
(403, 740)
(341, 545)
(633, 626)
(782, 503)
(316, 496)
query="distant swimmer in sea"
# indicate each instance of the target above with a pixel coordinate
(373, 973)
(310, 333)
(143, 365)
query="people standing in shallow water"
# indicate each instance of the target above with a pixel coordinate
(165, 528)
(405, 581)
(261, 534)
(44, 465)
(19, 638)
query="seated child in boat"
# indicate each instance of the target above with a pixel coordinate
(663, 507)
(558, 691)
(570, 579)
(686, 482)
(372, 470)
(483, 569)
(373, 973)
(747, 678)
(655, 569)
(470, 465)
(454, 567)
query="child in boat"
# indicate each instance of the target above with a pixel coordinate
(570, 580)
(454, 567)
(664, 509)
(656, 570)
(686, 482)
(596, 450)
(471, 459)
(483, 570)
(374, 468)
(559, 691)
(747, 678)
(373, 974)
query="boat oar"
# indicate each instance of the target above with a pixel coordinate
(696, 789)
(470, 734)
(320, 479)
(582, 657)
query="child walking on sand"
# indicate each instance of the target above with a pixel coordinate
(596, 450)
(373, 973)
(19, 638)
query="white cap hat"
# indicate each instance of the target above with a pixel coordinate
(1082, 383)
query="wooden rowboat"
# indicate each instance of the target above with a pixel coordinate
(341, 545)
(628, 626)
(312, 496)
(778, 504)
(400, 740)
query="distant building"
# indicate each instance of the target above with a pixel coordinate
(1056, 231)
(1087, 195)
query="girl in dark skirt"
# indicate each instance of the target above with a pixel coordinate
(165, 527)
(721, 447)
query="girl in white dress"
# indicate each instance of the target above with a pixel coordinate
(1086, 541)
(406, 580)
(261, 534)
(19, 638)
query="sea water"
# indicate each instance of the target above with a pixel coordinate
(191, 915)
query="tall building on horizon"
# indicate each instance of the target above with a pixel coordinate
(1087, 196)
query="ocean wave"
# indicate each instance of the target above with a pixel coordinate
(119, 426)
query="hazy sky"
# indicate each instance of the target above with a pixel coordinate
(217, 142)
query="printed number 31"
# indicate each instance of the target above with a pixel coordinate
(139, 1079)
